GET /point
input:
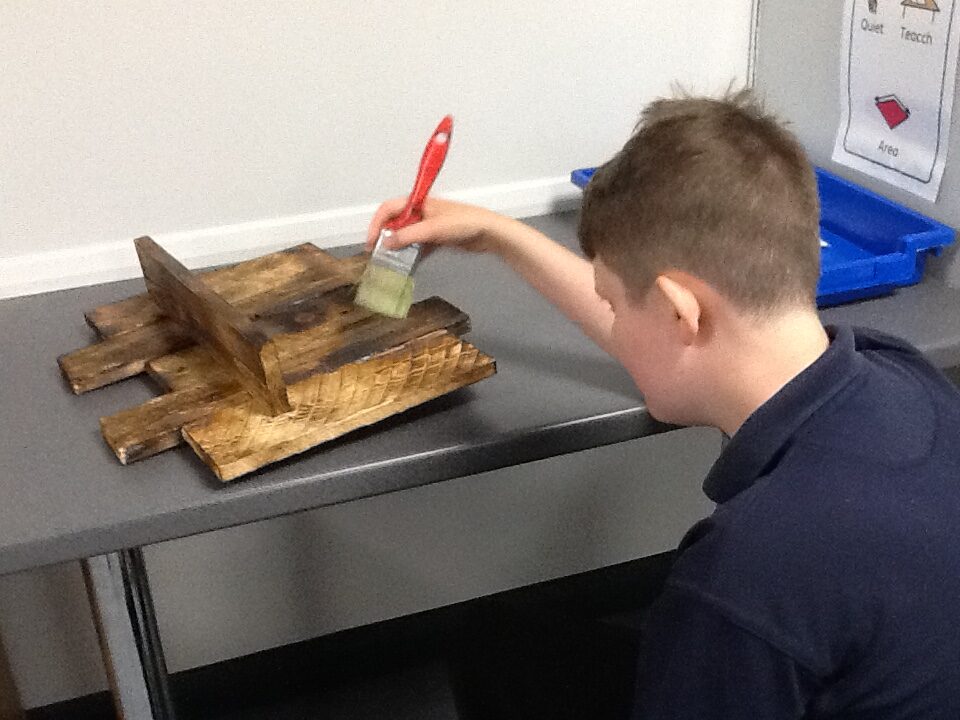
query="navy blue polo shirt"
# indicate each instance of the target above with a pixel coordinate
(827, 582)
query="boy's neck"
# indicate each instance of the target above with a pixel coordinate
(761, 359)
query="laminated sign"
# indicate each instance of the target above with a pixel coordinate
(898, 69)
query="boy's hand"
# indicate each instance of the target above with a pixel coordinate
(444, 223)
(560, 275)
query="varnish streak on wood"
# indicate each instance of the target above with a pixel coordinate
(298, 272)
(155, 425)
(182, 296)
(121, 356)
(237, 438)
(252, 286)
(331, 331)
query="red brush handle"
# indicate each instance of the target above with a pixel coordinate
(430, 164)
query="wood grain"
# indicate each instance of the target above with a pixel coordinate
(258, 285)
(331, 331)
(197, 380)
(251, 286)
(223, 345)
(155, 425)
(183, 297)
(121, 356)
(189, 368)
(238, 437)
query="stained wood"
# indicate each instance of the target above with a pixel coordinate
(121, 356)
(189, 368)
(123, 316)
(331, 331)
(155, 425)
(291, 316)
(238, 438)
(256, 285)
(251, 286)
(197, 380)
(184, 297)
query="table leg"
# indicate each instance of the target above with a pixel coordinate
(10, 708)
(119, 592)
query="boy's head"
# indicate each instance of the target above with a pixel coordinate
(717, 189)
(710, 202)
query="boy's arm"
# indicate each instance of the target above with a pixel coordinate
(560, 275)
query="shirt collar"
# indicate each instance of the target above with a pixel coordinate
(761, 440)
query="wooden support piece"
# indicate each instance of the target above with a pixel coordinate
(121, 356)
(183, 297)
(237, 438)
(155, 425)
(265, 359)
(253, 286)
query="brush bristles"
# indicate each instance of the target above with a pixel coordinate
(385, 291)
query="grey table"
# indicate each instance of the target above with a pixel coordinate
(63, 496)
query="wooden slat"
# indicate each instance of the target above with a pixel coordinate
(237, 438)
(121, 356)
(197, 381)
(194, 367)
(230, 349)
(333, 332)
(183, 297)
(155, 426)
(251, 286)
(123, 316)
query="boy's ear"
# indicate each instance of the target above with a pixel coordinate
(684, 303)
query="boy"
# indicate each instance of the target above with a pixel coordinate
(827, 582)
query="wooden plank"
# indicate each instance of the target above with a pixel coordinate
(121, 356)
(154, 426)
(331, 331)
(197, 383)
(123, 316)
(183, 297)
(196, 366)
(285, 330)
(252, 286)
(238, 438)
(344, 332)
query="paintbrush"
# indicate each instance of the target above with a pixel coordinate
(386, 285)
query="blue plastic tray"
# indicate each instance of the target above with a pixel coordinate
(873, 245)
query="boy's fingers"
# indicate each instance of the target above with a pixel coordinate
(427, 232)
(385, 212)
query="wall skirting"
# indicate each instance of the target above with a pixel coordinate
(116, 260)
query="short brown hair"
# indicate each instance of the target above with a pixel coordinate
(713, 187)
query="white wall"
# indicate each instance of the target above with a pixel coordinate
(229, 127)
(226, 127)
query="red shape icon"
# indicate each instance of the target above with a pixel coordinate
(893, 111)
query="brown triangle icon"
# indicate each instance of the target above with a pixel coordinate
(930, 5)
